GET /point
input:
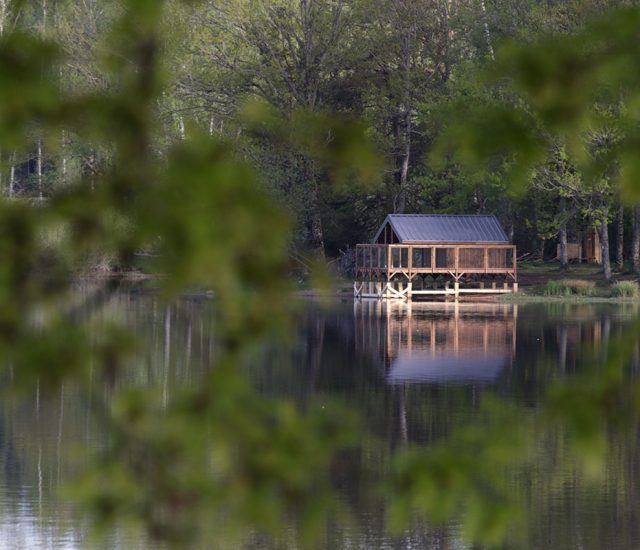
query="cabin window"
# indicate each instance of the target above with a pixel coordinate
(404, 257)
(421, 257)
(395, 257)
(445, 258)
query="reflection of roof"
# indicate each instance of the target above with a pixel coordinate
(443, 366)
(441, 228)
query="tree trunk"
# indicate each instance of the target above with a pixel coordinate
(403, 169)
(620, 240)
(44, 17)
(635, 244)
(487, 33)
(446, 63)
(92, 161)
(3, 15)
(604, 247)
(39, 168)
(316, 231)
(12, 175)
(403, 124)
(511, 223)
(541, 244)
(317, 234)
(64, 157)
(564, 258)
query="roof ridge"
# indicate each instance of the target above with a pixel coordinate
(447, 215)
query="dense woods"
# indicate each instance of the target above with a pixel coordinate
(405, 69)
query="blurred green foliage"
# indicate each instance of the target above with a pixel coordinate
(219, 456)
(569, 89)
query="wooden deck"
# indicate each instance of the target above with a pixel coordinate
(390, 270)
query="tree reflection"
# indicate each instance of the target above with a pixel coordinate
(500, 432)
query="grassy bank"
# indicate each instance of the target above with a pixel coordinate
(546, 282)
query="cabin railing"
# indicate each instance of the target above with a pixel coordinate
(454, 259)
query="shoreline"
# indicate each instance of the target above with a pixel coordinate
(343, 291)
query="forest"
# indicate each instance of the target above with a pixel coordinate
(402, 72)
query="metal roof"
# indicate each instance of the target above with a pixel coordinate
(445, 228)
(445, 366)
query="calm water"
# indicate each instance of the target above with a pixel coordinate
(413, 373)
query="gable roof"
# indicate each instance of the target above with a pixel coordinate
(445, 228)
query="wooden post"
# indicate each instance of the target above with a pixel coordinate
(486, 259)
(432, 337)
(456, 260)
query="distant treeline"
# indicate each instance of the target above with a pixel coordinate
(402, 67)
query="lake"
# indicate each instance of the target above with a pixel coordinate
(415, 373)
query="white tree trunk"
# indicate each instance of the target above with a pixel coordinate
(487, 33)
(12, 175)
(44, 16)
(64, 157)
(3, 15)
(181, 127)
(92, 161)
(39, 168)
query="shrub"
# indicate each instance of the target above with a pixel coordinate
(625, 289)
(554, 288)
(569, 287)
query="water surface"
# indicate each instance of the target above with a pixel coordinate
(413, 372)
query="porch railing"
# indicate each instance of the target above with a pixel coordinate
(383, 259)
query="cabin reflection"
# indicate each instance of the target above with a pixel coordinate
(437, 343)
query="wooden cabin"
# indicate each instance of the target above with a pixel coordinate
(424, 254)
(586, 251)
